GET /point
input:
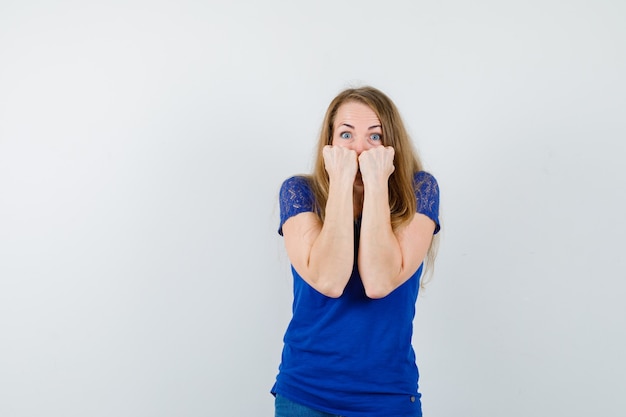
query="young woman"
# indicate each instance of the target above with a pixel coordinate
(358, 231)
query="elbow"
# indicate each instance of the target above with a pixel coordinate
(378, 282)
(332, 292)
(377, 287)
(331, 289)
(377, 293)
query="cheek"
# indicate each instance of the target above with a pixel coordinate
(338, 142)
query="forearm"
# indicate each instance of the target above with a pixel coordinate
(380, 256)
(332, 254)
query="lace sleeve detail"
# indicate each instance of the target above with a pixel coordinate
(427, 195)
(295, 197)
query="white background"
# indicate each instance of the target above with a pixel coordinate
(143, 143)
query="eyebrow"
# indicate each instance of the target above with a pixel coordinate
(352, 127)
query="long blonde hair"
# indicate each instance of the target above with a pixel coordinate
(406, 160)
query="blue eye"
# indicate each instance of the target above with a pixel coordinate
(376, 137)
(345, 135)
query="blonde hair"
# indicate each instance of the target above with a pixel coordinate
(402, 186)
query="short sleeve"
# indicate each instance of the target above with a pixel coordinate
(427, 195)
(295, 197)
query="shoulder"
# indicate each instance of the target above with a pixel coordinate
(296, 185)
(424, 177)
(425, 183)
(296, 181)
(427, 195)
(296, 196)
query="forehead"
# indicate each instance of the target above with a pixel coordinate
(354, 113)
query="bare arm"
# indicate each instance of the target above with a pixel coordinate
(387, 258)
(323, 253)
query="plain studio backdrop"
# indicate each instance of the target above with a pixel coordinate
(143, 144)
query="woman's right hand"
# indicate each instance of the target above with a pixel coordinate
(341, 163)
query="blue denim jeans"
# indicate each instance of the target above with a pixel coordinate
(287, 408)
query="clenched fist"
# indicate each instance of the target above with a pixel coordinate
(341, 163)
(376, 164)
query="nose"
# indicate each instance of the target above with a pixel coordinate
(359, 145)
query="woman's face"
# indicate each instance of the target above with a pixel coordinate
(357, 127)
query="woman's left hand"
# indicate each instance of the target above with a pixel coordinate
(376, 164)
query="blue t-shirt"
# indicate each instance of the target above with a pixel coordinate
(352, 355)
